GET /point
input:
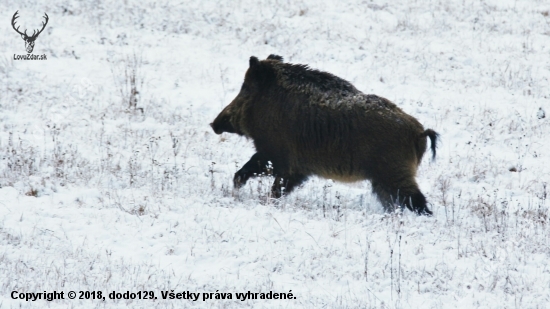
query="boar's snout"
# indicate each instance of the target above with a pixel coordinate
(216, 130)
(212, 126)
(222, 123)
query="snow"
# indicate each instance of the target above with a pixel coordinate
(100, 195)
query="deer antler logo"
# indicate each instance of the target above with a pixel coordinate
(29, 40)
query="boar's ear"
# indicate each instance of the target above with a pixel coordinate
(275, 57)
(254, 61)
(260, 73)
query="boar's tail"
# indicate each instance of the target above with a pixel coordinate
(433, 139)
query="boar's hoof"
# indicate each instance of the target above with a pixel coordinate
(419, 204)
(276, 192)
(240, 179)
(424, 212)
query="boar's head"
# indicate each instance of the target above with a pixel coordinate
(232, 118)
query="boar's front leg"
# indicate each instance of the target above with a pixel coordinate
(257, 165)
(285, 184)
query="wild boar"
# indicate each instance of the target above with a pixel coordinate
(308, 122)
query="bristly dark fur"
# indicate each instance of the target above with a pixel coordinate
(275, 57)
(307, 122)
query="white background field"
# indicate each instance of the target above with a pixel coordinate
(111, 178)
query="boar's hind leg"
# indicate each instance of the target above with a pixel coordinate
(384, 196)
(410, 197)
(255, 166)
(285, 185)
(416, 201)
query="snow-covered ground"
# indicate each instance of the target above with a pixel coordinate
(103, 189)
